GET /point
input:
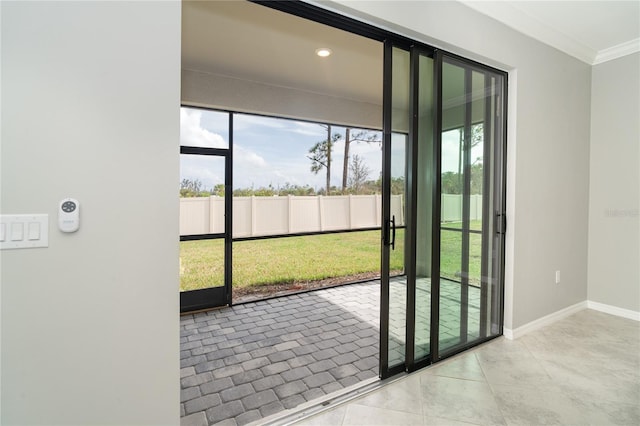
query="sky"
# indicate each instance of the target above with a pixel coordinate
(271, 151)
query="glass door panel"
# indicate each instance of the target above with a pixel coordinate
(409, 174)
(424, 155)
(395, 223)
(443, 151)
(476, 178)
(398, 279)
(453, 238)
(470, 247)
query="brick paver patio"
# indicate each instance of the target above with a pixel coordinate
(247, 362)
(250, 361)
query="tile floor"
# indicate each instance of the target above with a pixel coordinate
(582, 370)
(250, 361)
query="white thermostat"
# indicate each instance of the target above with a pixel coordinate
(69, 215)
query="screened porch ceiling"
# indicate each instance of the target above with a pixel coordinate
(251, 42)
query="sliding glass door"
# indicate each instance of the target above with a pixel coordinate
(424, 173)
(409, 159)
(472, 204)
(442, 181)
(396, 146)
(450, 295)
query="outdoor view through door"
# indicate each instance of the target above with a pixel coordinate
(383, 165)
(305, 205)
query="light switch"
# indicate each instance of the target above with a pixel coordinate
(24, 231)
(17, 231)
(34, 231)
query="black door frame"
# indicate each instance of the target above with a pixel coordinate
(413, 145)
(206, 298)
(495, 213)
(390, 40)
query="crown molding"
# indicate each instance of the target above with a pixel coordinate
(512, 16)
(615, 52)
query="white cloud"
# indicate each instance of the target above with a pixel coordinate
(247, 158)
(192, 133)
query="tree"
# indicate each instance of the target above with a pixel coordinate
(451, 183)
(270, 191)
(321, 155)
(476, 178)
(398, 186)
(192, 188)
(359, 174)
(345, 162)
(359, 136)
(477, 134)
(289, 189)
(219, 190)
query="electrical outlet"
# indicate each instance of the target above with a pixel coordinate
(557, 277)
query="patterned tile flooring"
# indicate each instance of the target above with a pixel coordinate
(582, 370)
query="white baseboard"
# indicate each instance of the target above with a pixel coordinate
(512, 334)
(614, 310)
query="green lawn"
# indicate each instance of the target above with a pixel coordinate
(308, 258)
(285, 260)
(450, 255)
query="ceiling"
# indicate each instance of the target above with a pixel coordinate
(592, 31)
(243, 40)
(251, 42)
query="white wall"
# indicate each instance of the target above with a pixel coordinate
(90, 95)
(548, 146)
(90, 103)
(614, 193)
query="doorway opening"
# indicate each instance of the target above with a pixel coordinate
(437, 208)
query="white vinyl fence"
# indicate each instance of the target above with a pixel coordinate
(262, 216)
(451, 207)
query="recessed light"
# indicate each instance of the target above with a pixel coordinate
(323, 52)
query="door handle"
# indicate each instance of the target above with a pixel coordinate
(393, 232)
(385, 232)
(501, 223)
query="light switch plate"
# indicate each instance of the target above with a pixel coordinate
(24, 231)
